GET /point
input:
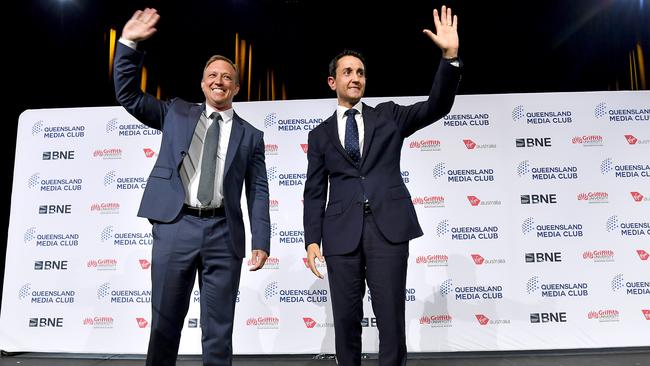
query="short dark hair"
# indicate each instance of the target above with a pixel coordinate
(226, 59)
(346, 52)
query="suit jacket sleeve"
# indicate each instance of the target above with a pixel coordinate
(441, 98)
(257, 197)
(126, 75)
(315, 192)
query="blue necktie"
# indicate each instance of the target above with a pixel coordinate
(352, 136)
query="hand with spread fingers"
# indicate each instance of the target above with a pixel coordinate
(446, 35)
(141, 26)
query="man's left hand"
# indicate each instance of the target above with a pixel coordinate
(258, 259)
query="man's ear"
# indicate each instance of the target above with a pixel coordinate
(331, 81)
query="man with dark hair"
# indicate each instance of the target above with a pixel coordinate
(354, 165)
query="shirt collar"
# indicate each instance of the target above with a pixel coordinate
(226, 115)
(340, 110)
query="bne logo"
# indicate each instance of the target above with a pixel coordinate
(533, 142)
(559, 317)
(543, 257)
(50, 265)
(58, 155)
(54, 209)
(534, 199)
(46, 322)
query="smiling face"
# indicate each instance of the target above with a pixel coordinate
(349, 82)
(220, 84)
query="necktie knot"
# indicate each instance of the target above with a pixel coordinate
(351, 112)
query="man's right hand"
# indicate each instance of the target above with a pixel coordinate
(313, 252)
(141, 26)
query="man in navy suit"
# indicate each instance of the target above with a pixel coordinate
(369, 218)
(193, 198)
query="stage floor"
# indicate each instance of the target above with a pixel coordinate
(601, 357)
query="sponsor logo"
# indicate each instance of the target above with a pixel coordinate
(467, 120)
(46, 322)
(54, 184)
(535, 199)
(639, 287)
(436, 320)
(622, 114)
(142, 322)
(463, 175)
(543, 257)
(271, 263)
(50, 239)
(632, 140)
(429, 201)
(603, 255)
(105, 208)
(519, 114)
(310, 323)
(58, 132)
(535, 286)
(110, 235)
(467, 232)
(294, 295)
(272, 121)
(425, 145)
(625, 170)
(58, 155)
(104, 264)
(475, 292)
(541, 318)
(304, 147)
(271, 149)
(108, 153)
(605, 315)
(263, 322)
(126, 129)
(556, 172)
(546, 231)
(99, 322)
(593, 197)
(60, 296)
(149, 153)
(533, 142)
(433, 260)
(629, 228)
(50, 265)
(588, 140)
(643, 255)
(475, 201)
(122, 296)
(471, 145)
(111, 179)
(479, 260)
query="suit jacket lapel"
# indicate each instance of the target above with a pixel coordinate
(369, 123)
(193, 118)
(333, 133)
(236, 134)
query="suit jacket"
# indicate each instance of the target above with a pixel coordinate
(164, 194)
(377, 176)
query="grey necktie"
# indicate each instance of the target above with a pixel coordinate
(209, 161)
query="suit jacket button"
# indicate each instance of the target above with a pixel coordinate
(362, 177)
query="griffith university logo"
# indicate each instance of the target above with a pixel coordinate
(637, 170)
(271, 149)
(599, 255)
(102, 264)
(542, 117)
(471, 292)
(467, 232)
(272, 121)
(105, 208)
(534, 286)
(263, 322)
(115, 127)
(58, 131)
(436, 320)
(425, 145)
(467, 120)
(463, 175)
(634, 287)
(549, 172)
(593, 197)
(428, 201)
(636, 113)
(633, 140)
(109, 153)
(545, 231)
(588, 140)
(271, 263)
(431, 260)
(627, 228)
(604, 315)
(99, 322)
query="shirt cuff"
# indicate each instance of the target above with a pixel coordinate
(129, 43)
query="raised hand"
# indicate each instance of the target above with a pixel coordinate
(446, 36)
(141, 26)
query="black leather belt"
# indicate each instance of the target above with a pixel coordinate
(205, 212)
(366, 208)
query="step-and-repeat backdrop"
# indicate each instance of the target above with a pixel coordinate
(535, 209)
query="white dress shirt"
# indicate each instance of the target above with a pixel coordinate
(342, 120)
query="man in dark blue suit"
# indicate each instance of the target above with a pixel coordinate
(369, 218)
(193, 198)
